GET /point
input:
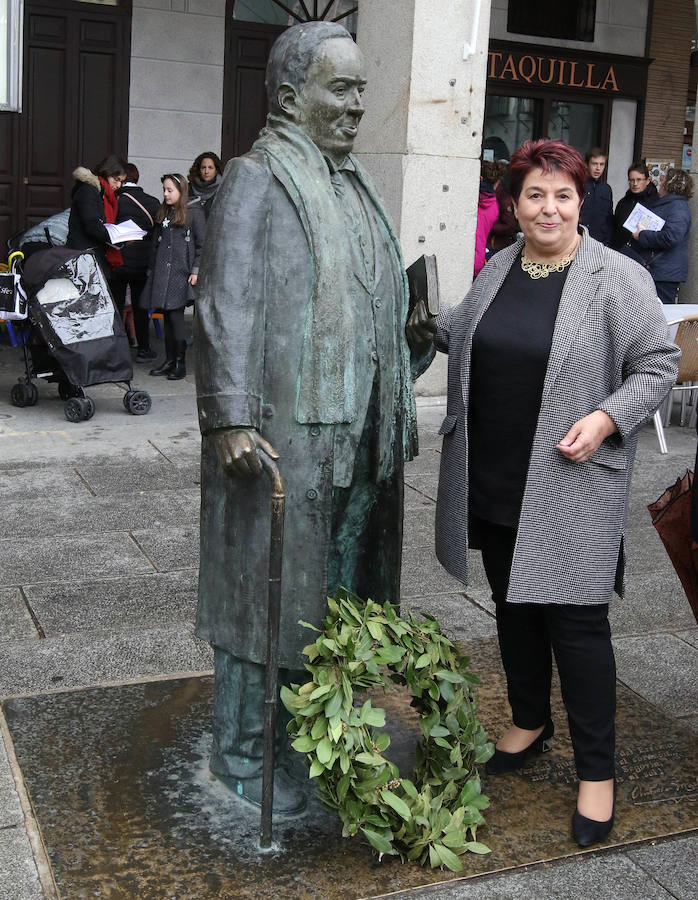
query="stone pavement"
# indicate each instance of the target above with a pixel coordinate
(98, 565)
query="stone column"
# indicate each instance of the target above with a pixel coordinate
(422, 133)
(688, 292)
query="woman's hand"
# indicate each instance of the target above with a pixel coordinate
(193, 279)
(585, 436)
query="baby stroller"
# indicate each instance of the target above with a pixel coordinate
(75, 337)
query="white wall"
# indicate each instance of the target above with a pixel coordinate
(176, 101)
(621, 144)
(621, 26)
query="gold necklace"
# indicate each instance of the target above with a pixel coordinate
(542, 270)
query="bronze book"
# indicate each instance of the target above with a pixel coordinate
(423, 279)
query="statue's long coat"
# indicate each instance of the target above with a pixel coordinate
(256, 281)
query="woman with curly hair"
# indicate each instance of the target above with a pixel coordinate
(205, 178)
(666, 251)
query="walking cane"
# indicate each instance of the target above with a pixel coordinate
(271, 696)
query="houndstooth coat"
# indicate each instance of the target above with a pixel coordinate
(610, 350)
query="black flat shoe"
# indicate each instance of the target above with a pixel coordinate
(502, 762)
(589, 831)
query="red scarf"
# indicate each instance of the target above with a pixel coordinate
(111, 206)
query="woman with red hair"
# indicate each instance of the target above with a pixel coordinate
(557, 355)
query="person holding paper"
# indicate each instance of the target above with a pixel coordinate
(666, 251)
(174, 269)
(641, 189)
(135, 206)
(93, 203)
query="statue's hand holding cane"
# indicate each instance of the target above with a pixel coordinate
(237, 450)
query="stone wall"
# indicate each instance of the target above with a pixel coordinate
(620, 27)
(177, 49)
(667, 83)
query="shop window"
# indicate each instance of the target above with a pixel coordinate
(577, 124)
(290, 12)
(509, 121)
(571, 20)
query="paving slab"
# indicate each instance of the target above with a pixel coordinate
(39, 484)
(416, 500)
(426, 484)
(73, 557)
(158, 475)
(690, 636)
(19, 879)
(673, 864)
(10, 808)
(427, 463)
(170, 549)
(71, 661)
(604, 877)
(15, 617)
(101, 604)
(654, 601)
(662, 668)
(423, 574)
(460, 618)
(89, 514)
(418, 527)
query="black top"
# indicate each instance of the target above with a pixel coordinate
(136, 254)
(597, 210)
(511, 346)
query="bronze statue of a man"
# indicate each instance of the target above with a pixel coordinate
(301, 351)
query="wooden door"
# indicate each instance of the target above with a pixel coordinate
(248, 40)
(74, 106)
(244, 97)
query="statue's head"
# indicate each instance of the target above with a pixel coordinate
(315, 78)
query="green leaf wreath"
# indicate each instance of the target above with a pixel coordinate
(435, 815)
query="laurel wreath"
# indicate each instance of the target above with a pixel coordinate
(434, 815)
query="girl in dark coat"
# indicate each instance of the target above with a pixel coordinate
(641, 190)
(204, 179)
(667, 250)
(174, 268)
(92, 203)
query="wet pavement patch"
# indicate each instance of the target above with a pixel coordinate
(119, 784)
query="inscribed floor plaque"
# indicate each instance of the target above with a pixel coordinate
(119, 784)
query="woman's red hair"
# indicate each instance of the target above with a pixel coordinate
(549, 156)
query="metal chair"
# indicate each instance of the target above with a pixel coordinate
(686, 381)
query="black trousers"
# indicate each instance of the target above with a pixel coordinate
(580, 638)
(141, 320)
(175, 329)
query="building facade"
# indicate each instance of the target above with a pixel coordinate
(163, 80)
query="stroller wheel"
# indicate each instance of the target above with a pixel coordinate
(24, 393)
(127, 400)
(139, 403)
(79, 408)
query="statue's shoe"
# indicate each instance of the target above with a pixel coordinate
(289, 797)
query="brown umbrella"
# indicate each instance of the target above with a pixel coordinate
(671, 516)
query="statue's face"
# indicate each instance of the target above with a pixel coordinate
(329, 108)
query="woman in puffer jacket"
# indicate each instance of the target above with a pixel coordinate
(92, 203)
(666, 251)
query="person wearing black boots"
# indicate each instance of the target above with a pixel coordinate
(173, 270)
